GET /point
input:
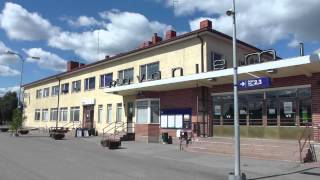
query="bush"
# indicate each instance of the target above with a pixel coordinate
(17, 120)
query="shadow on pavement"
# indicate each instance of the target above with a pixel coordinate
(303, 171)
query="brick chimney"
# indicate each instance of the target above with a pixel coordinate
(206, 24)
(145, 44)
(171, 34)
(71, 65)
(156, 39)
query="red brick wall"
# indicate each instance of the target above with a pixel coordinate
(147, 130)
(315, 94)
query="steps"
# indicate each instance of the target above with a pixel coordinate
(256, 148)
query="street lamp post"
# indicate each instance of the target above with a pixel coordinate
(21, 73)
(237, 172)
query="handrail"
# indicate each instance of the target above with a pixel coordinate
(115, 128)
(306, 139)
(103, 129)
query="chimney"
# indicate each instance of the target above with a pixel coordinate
(156, 39)
(71, 65)
(170, 34)
(107, 57)
(145, 44)
(82, 64)
(206, 24)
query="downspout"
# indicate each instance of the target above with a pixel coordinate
(202, 44)
(58, 103)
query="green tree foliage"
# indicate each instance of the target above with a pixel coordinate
(7, 104)
(17, 120)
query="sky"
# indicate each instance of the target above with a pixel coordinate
(87, 31)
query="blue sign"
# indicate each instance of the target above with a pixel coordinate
(263, 82)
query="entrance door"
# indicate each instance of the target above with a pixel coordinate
(130, 128)
(88, 116)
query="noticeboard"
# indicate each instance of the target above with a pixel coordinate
(175, 118)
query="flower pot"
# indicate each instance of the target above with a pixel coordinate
(58, 136)
(23, 131)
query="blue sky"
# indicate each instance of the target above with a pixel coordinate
(58, 31)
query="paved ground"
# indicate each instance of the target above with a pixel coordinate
(36, 157)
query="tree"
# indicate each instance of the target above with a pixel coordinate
(7, 104)
(17, 120)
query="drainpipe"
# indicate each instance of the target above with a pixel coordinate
(202, 44)
(58, 103)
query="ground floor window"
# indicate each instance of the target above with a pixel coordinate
(270, 107)
(148, 111)
(100, 113)
(54, 114)
(37, 115)
(74, 114)
(63, 114)
(119, 112)
(45, 114)
(109, 113)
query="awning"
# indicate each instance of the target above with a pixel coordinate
(283, 68)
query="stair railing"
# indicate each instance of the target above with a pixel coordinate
(119, 125)
(107, 129)
(304, 138)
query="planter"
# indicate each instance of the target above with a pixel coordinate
(23, 131)
(58, 136)
(4, 129)
(112, 144)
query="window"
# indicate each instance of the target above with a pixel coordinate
(55, 90)
(105, 80)
(89, 83)
(54, 114)
(119, 112)
(39, 94)
(45, 114)
(46, 92)
(37, 115)
(63, 114)
(74, 114)
(100, 113)
(126, 76)
(76, 86)
(109, 113)
(65, 88)
(150, 71)
(216, 63)
(155, 110)
(148, 111)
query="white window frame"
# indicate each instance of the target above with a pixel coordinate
(109, 113)
(54, 110)
(47, 117)
(72, 109)
(117, 111)
(146, 65)
(75, 89)
(62, 111)
(149, 110)
(35, 114)
(53, 90)
(46, 92)
(122, 73)
(39, 94)
(63, 87)
(100, 113)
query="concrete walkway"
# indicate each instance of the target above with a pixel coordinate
(37, 157)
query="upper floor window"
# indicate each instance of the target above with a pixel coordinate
(46, 92)
(65, 88)
(150, 71)
(105, 80)
(76, 86)
(217, 61)
(126, 76)
(39, 94)
(89, 83)
(55, 90)
(54, 114)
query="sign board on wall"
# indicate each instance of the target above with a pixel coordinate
(88, 101)
(175, 118)
(262, 82)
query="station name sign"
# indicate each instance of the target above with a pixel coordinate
(258, 83)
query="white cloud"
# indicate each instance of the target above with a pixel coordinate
(20, 24)
(83, 21)
(47, 60)
(8, 71)
(263, 22)
(317, 51)
(3, 91)
(123, 31)
(6, 59)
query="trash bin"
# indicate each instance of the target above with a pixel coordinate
(165, 137)
(78, 132)
(170, 140)
(85, 132)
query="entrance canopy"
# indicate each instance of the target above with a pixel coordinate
(303, 65)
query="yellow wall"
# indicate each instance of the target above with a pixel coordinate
(185, 54)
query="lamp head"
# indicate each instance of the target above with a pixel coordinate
(229, 12)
